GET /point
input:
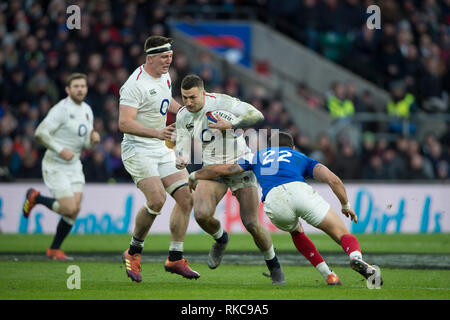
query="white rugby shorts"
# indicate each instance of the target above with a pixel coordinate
(239, 181)
(141, 163)
(286, 203)
(63, 180)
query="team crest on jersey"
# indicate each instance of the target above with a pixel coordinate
(190, 126)
(153, 92)
(72, 116)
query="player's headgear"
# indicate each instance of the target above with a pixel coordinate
(157, 44)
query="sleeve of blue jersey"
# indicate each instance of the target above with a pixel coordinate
(310, 167)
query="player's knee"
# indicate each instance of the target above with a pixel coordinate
(202, 215)
(252, 227)
(156, 205)
(70, 211)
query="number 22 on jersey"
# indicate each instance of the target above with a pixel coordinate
(271, 156)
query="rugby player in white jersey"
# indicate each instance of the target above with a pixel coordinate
(220, 145)
(145, 99)
(65, 131)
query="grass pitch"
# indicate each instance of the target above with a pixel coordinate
(34, 279)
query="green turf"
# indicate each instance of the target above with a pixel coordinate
(373, 243)
(48, 280)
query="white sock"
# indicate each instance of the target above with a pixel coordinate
(55, 206)
(269, 254)
(323, 269)
(355, 254)
(176, 246)
(219, 233)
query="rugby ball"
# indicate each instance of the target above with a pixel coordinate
(226, 115)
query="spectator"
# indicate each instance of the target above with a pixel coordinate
(338, 105)
(313, 101)
(95, 168)
(435, 99)
(395, 168)
(417, 170)
(375, 169)
(347, 165)
(324, 151)
(400, 107)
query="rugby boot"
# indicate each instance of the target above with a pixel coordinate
(216, 254)
(277, 276)
(132, 265)
(365, 269)
(333, 280)
(56, 254)
(182, 268)
(30, 202)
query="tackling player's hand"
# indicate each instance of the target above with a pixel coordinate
(167, 132)
(192, 182)
(181, 162)
(350, 213)
(221, 124)
(95, 137)
(66, 154)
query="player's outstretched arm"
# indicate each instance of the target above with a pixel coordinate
(323, 174)
(213, 171)
(248, 116)
(251, 118)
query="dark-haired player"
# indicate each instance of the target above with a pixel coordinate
(281, 172)
(145, 99)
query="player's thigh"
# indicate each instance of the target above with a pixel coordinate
(207, 195)
(248, 199)
(278, 207)
(141, 166)
(333, 225)
(176, 184)
(306, 202)
(154, 191)
(58, 181)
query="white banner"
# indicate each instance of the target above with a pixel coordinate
(111, 208)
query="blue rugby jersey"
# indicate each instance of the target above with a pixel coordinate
(279, 165)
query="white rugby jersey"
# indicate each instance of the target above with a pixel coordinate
(67, 126)
(216, 147)
(151, 96)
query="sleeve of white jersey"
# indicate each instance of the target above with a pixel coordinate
(87, 139)
(183, 144)
(130, 96)
(54, 119)
(247, 115)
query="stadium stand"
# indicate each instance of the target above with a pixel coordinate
(412, 53)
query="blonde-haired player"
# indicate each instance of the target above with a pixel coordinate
(65, 131)
(145, 99)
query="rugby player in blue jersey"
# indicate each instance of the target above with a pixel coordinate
(281, 173)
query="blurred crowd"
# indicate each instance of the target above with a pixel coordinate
(38, 52)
